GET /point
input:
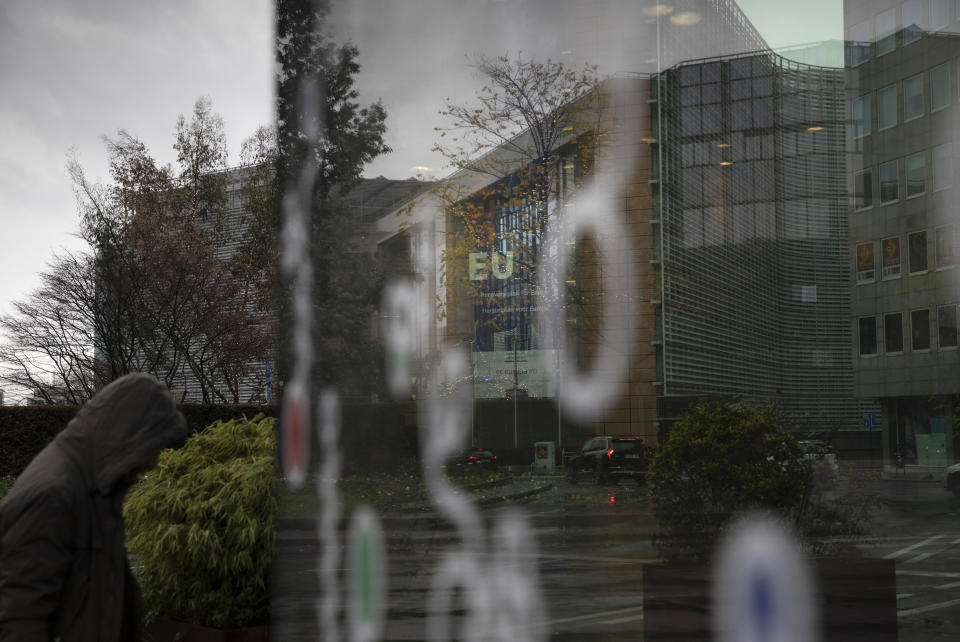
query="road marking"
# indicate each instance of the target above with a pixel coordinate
(919, 558)
(903, 596)
(588, 558)
(948, 586)
(912, 547)
(593, 616)
(928, 573)
(929, 607)
(956, 541)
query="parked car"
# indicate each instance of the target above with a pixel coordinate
(480, 457)
(608, 459)
(951, 480)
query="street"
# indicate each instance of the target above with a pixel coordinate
(591, 547)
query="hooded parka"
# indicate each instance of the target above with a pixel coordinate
(63, 565)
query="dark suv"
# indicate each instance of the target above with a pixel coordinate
(607, 460)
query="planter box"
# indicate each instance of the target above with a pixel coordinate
(858, 601)
(171, 631)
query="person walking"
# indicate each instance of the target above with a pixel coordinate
(64, 574)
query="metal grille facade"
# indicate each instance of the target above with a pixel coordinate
(755, 289)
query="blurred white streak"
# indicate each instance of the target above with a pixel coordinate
(329, 436)
(295, 265)
(399, 311)
(763, 588)
(445, 406)
(586, 395)
(520, 612)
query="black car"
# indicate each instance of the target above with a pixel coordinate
(608, 459)
(480, 457)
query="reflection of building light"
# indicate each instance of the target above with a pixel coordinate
(814, 128)
(723, 145)
(568, 128)
(568, 166)
(566, 52)
(725, 163)
(421, 169)
(686, 18)
(647, 139)
(658, 10)
(570, 281)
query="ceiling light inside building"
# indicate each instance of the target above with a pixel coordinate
(725, 163)
(421, 169)
(814, 128)
(648, 140)
(686, 18)
(658, 10)
(723, 145)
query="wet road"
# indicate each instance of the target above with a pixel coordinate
(591, 547)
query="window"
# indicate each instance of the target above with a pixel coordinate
(939, 14)
(890, 257)
(887, 107)
(893, 333)
(916, 174)
(947, 326)
(859, 37)
(940, 87)
(920, 329)
(861, 116)
(918, 252)
(889, 177)
(868, 336)
(942, 166)
(863, 189)
(947, 255)
(886, 31)
(913, 97)
(866, 263)
(914, 20)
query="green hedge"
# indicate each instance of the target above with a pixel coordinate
(25, 430)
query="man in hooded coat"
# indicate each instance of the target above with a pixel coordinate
(63, 565)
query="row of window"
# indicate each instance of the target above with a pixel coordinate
(914, 16)
(946, 255)
(920, 335)
(915, 177)
(913, 101)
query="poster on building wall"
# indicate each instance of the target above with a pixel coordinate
(507, 343)
(866, 264)
(890, 249)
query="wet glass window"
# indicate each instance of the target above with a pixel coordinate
(887, 107)
(867, 327)
(913, 97)
(861, 116)
(947, 326)
(893, 332)
(914, 20)
(920, 329)
(863, 189)
(918, 251)
(947, 250)
(889, 182)
(886, 26)
(942, 166)
(940, 86)
(939, 14)
(916, 170)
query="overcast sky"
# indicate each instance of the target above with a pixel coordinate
(71, 72)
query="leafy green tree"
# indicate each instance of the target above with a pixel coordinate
(719, 460)
(324, 139)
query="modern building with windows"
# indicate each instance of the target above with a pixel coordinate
(753, 287)
(737, 218)
(902, 70)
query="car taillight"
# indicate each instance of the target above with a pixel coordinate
(610, 453)
(472, 457)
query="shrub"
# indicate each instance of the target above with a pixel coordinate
(721, 459)
(200, 526)
(6, 483)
